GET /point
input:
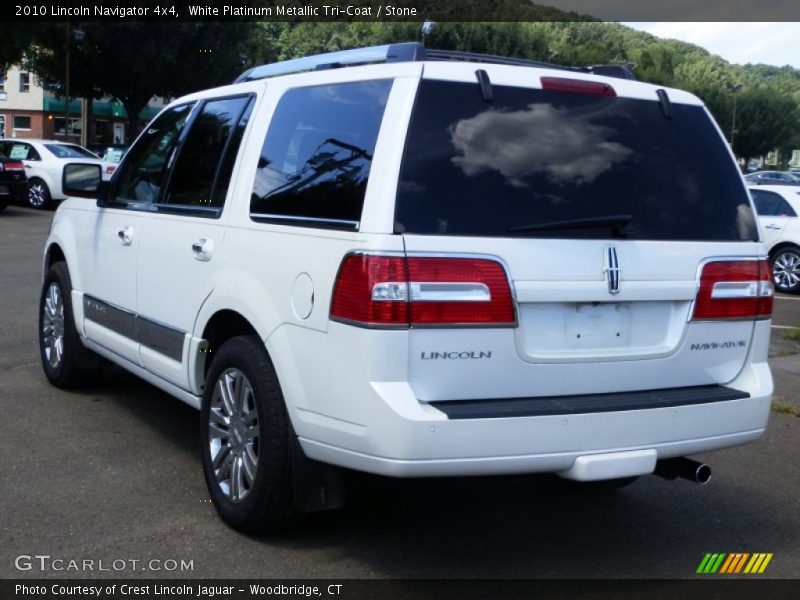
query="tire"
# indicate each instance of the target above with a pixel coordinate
(786, 270)
(39, 195)
(3, 205)
(63, 355)
(251, 438)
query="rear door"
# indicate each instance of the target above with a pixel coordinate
(601, 203)
(182, 242)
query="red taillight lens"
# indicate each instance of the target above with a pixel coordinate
(577, 86)
(353, 291)
(110, 169)
(12, 166)
(734, 290)
(422, 291)
(459, 291)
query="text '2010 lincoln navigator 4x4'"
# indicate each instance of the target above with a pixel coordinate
(417, 263)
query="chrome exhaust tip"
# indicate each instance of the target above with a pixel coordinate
(685, 468)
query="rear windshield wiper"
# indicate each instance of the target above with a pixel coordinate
(615, 222)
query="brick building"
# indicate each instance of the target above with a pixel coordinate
(29, 111)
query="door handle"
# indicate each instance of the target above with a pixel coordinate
(125, 236)
(203, 249)
(772, 226)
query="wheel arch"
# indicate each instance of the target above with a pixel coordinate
(782, 246)
(223, 325)
(52, 255)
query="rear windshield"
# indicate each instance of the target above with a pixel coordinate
(540, 163)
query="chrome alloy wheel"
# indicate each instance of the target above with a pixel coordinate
(37, 194)
(53, 326)
(233, 434)
(786, 270)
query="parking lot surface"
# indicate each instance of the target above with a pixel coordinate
(113, 472)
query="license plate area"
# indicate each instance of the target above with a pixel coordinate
(600, 330)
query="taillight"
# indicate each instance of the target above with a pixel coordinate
(12, 166)
(734, 290)
(110, 169)
(388, 291)
(577, 86)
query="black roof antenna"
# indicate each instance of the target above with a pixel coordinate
(485, 84)
(666, 105)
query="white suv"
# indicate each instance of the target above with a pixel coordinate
(389, 261)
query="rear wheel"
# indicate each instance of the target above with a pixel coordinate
(246, 440)
(39, 194)
(786, 270)
(63, 355)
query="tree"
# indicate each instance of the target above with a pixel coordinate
(136, 61)
(15, 41)
(765, 120)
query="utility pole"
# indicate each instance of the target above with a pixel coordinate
(66, 83)
(734, 90)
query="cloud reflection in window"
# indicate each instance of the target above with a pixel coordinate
(540, 139)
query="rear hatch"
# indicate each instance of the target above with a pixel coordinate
(603, 201)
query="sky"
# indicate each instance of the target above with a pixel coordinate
(769, 43)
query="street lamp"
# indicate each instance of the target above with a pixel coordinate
(735, 88)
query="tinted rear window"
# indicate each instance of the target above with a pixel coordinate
(533, 158)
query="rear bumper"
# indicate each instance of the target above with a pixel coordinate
(381, 426)
(407, 438)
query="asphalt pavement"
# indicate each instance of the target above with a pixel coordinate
(113, 473)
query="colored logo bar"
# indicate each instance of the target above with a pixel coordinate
(734, 562)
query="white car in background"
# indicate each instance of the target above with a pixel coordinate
(777, 207)
(44, 164)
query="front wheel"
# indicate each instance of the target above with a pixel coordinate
(64, 358)
(246, 440)
(786, 270)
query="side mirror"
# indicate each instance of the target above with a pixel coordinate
(82, 180)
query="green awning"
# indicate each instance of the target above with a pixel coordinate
(113, 109)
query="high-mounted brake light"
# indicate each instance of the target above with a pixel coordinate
(734, 290)
(577, 86)
(388, 291)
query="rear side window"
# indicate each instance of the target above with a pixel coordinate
(538, 163)
(316, 156)
(196, 171)
(769, 204)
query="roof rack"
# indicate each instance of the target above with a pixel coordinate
(411, 52)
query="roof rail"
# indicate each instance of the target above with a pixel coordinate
(411, 52)
(405, 52)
